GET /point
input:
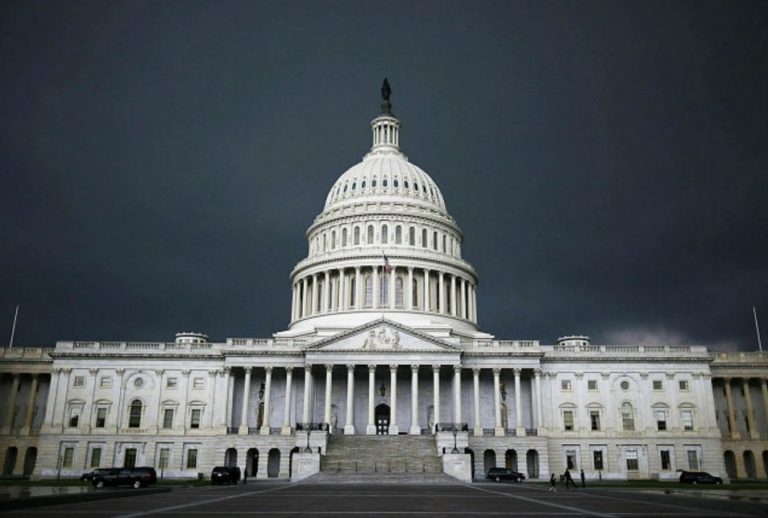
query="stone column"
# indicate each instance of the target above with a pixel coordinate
(415, 428)
(393, 429)
(441, 293)
(10, 410)
(307, 381)
(731, 413)
(426, 289)
(326, 292)
(476, 383)
(537, 403)
(287, 410)
(371, 428)
(315, 293)
(376, 288)
(518, 406)
(452, 298)
(265, 423)
(409, 295)
(349, 428)
(498, 430)
(31, 407)
(229, 411)
(436, 390)
(464, 298)
(246, 401)
(358, 283)
(342, 290)
(328, 384)
(750, 410)
(764, 388)
(457, 394)
(293, 303)
(392, 298)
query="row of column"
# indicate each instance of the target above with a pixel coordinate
(415, 429)
(338, 290)
(11, 404)
(753, 428)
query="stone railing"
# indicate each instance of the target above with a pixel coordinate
(135, 347)
(25, 353)
(507, 344)
(625, 349)
(741, 357)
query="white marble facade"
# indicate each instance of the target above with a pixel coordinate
(383, 339)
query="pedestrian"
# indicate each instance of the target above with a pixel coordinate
(583, 481)
(245, 476)
(568, 479)
(552, 483)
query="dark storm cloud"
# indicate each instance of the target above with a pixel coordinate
(161, 161)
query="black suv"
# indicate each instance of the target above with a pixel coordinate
(699, 477)
(90, 475)
(225, 475)
(136, 477)
(499, 474)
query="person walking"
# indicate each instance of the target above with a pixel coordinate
(568, 479)
(552, 483)
(583, 480)
(245, 476)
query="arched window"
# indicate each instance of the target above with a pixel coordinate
(344, 237)
(134, 417)
(333, 240)
(627, 417)
(369, 239)
(384, 234)
(398, 235)
(368, 291)
(434, 240)
(357, 235)
(325, 242)
(399, 292)
(445, 243)
(424, 238)
(412, 236)
(384, 289)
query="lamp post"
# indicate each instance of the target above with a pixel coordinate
(455, 446)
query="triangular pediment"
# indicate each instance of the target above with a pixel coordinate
(382, 336)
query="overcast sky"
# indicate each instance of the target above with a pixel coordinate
(606, 161)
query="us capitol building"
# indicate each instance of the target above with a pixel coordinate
(383, 369)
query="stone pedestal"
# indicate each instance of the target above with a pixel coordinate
(305, 465)
(349, 429)
(458, 465)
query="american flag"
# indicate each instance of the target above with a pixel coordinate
(387, 266)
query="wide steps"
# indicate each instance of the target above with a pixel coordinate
(381, 478)
(368, 454)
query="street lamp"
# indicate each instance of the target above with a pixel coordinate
(455, 447)
(261, 391)
(503, 391)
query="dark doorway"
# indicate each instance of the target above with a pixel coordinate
(230, 457)
(489, 461)
(29, 461)
(273, 463)
(252, 462)
(10, 461)
(382, 419)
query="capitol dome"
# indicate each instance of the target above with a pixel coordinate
(384, 243)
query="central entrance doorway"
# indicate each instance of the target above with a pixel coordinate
(382, 419)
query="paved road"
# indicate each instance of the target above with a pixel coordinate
(349, 501)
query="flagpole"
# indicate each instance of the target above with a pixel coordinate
(13, 329)
(757, 330)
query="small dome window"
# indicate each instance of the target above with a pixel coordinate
(362, 185)
(354, 185)
(397, 184)
(415, 186)
(384, 183)
(373, 183)
(345, 187)
(405, 183)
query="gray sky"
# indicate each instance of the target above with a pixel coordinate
(161, 161)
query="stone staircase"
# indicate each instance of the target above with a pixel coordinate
(403, 456)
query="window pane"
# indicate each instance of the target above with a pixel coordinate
(168, 418)
(195, 420)
(134, 421)
(95, 457)
(69, 453)
(191, 459)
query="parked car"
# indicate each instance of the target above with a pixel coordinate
(136, 477)
(225, 475)
(499, 474)
(699, 477)
(90, 475)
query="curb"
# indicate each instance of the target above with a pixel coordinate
(39, 501)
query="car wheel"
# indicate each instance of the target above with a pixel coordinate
(719, 482)
(497, 479)
(99, 484)
(136, 484)
(694, 482)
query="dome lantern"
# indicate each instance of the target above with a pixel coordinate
(385, 127)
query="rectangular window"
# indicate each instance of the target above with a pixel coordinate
(631, 456)
(565, 384)
(101, 417)
(191, 459)
(666, 465)
(568, 419)
(570, 459)
(657, 385)
(687, 418)
(66, 461)
(130, 458)
(79, 381)
(591, 384)
(171, 383)
(693, 460)
(597, 459)
(194, 421)
(198, 383)
(661, 420)
(165, 457)
(594, 419)
(684, 385)
(168, 418)
(95, 457)
(105, 382)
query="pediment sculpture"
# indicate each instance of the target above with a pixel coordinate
(382, 338)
